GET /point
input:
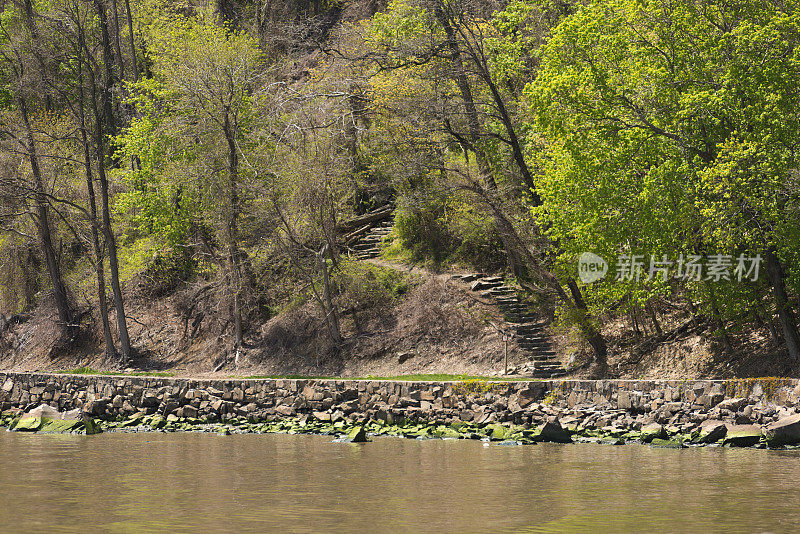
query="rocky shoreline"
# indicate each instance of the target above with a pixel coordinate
(759, 413)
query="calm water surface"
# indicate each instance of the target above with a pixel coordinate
(190, 482)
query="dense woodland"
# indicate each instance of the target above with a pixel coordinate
(224, 153)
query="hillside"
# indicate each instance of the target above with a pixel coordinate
(366, 187)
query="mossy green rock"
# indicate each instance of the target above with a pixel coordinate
(653, 431)
(659, 443)
(356, 435)
(56, 425)
(449, 433)
(499, 433)
(710, 431)
(158, 422)
(45, 418)
(742, 436)
(28, 424)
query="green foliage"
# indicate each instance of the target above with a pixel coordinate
(365, 286)
(665, 130)
(446, 229)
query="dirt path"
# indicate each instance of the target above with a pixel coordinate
(413, 269)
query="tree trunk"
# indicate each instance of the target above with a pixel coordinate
(111, 349)
(43, 226)
(134, 65)
(593, 335)
(718, 318)
(654, 318)
(331, 315)
(111, 243)
(782, 305)
(473, 121)
(232, 227)
(108, 111)
(117, 47)
(480, 61)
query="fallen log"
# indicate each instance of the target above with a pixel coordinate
(378, 214)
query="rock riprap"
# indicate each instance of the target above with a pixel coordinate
(45, 418)
(748, 413)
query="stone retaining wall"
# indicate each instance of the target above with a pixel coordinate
(590, 404)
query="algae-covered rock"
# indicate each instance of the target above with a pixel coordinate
(448, 433)
(653, 431)
(710, 431)
(28, 424)
(134, 420)
(158, 422)
(58, 425)
(784, 431)
(498, 433)
(742, 435)
(356, 435)
(659, 443)
(633, 435)
(612, 441)
(45, 418)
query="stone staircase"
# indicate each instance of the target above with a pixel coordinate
(523, 327)
(369, 245)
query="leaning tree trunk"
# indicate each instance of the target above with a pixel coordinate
(530, 266)
(43, 226)
(111, 349)
(331, 314)
(108, 232)
(471, 111)
(782, 304)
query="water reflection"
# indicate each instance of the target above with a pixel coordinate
(189, 482)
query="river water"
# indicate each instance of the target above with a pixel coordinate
(192, 482)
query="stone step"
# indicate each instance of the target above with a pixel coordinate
(527, 343)
(492, 279)
(522, 319)
(533, 331)
(479, 285)
(365, 246)
(541, 354)
(502, 290)
(512, 309)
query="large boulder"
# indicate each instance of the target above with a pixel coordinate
(653, 431)
(553, 431)
(45, 418)
(784, 431)
(711, 430)
(357, 435)
(742, 435)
